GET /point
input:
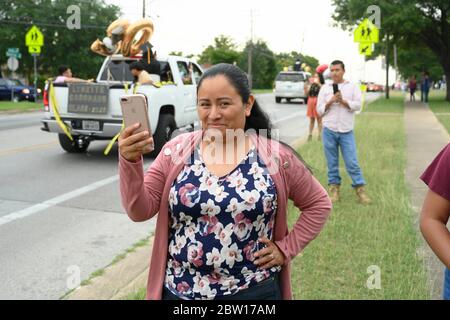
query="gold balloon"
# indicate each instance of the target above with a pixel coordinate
(123, 39)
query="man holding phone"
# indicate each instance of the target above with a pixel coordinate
(337, 104)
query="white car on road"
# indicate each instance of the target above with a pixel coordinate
(290, 85)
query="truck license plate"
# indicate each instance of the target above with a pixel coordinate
(91, 125)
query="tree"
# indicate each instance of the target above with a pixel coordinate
(288, 59)
(224, 50)
(180, 54)
(415, 23)
(62, 46)
(413, 61)
(264, 65)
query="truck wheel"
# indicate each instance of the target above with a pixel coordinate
(288, 100)
(277, 100)
(166, 126)
(72, 146)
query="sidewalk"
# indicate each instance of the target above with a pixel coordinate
(425, 137)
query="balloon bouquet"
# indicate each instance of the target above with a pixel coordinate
(129, 39)
(121, 38)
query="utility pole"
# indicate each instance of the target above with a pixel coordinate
(143, 9)
(387, 65)
(250, 53)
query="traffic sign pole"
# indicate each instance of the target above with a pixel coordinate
(34, 40)
(35, 78)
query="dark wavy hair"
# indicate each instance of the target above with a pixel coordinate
(258, 119)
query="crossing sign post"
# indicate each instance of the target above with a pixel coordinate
(366, 34)
(34, 40)
(34, 37)
(365, 48)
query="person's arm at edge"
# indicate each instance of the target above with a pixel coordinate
(433, 220)
(77, 80)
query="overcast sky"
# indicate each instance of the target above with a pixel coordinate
(286, 25)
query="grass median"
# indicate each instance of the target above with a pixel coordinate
(440, 107)
(20, 106)
(393, 105)
(358, 241)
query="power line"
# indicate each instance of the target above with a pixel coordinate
(46, 24)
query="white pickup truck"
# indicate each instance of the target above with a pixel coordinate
(92, 111)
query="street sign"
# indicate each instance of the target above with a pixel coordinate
(13, 52)
(13, 64)
(34, 49)
(366, 32)
(34, 37)
(365, 48)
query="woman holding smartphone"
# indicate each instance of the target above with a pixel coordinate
(221, 193)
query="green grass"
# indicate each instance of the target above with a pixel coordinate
(20, 106)
(393, 105)
(384, 234)
(137, 295)
(441, 107)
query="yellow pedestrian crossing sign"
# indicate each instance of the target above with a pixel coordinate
(366, 32)
(365, 48)
(34, 37)
(34, 49)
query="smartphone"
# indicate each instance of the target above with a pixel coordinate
(335, 88)
(134, 110)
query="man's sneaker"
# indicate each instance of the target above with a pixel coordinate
(333, 191)
(362, 195)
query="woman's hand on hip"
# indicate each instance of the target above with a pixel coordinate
(270, 256)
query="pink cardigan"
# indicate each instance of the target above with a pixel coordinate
(141, 197)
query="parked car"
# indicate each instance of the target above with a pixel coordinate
(290, 85)
(19, 90)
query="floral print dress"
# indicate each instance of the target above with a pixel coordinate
(215, 225)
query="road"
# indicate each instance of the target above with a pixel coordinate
(61, 212)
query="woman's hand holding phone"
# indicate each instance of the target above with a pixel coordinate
(133, 145)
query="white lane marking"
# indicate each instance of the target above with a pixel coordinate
(56, 200)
